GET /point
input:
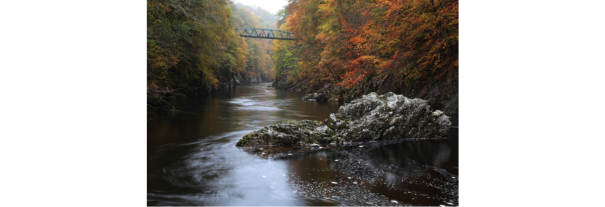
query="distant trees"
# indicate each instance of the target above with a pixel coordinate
(265, 18)
(285, 60)
(259, 53)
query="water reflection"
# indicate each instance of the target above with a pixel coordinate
(192, 159)
(415, 172)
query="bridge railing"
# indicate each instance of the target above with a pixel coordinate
(265, 33)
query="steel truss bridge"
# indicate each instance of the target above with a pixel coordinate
(265, 33)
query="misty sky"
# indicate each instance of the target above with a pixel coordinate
(270, 5)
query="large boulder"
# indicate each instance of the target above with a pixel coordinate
(372, 117)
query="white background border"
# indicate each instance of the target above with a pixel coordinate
(73, 78)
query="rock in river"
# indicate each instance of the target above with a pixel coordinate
(320, 97)
(370, 118)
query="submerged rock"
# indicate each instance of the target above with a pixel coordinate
(329, 93)
(319, 97)
(370, 118)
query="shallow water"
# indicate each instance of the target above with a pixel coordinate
(192, 159)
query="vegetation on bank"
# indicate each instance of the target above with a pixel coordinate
(408, 47)
(192, 47)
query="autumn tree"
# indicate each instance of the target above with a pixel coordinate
(191, 45)
(377, 44)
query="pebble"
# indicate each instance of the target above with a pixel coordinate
(336, 160)
(394, 201)
(349, 177)
(354, 182)
(334, 183)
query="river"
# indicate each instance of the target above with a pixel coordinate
(192, 159)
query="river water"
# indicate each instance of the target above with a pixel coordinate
(192, 159)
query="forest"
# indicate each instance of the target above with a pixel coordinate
(192, 48)
(361, 46)
(356, 46)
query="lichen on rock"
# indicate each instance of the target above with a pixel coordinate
(289, 133)
(372, 117)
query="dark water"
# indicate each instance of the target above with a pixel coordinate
(192, 159)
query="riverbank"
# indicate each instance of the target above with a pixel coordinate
(163, 101)
(441, 94)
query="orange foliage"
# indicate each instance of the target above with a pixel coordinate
(352, 42)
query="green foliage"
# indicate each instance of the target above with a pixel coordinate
(286, 62)
(258, 61)
(191, 45)
(185, 38)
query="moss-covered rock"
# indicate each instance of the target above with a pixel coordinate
(289, 133)
(369, 118)
(156, 103)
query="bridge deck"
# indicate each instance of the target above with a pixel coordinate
(265, 33)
